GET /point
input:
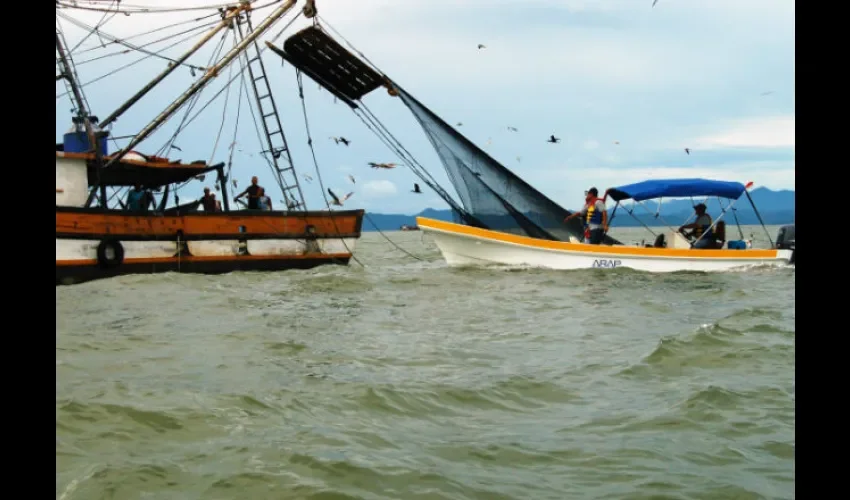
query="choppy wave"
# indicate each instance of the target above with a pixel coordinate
(407, 379)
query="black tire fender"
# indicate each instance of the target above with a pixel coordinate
(110, 253)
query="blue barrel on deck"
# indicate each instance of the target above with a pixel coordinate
(76, 140)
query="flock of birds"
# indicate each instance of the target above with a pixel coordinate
(340, 200)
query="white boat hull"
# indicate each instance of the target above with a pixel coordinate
(464, 246)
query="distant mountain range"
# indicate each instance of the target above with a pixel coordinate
(775, 208)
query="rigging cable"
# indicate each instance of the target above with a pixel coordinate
(244, 67)
(143, 33)
(142, 9)
(223, 111)
(221, 90)
(223, 120)
(137, 61)
(100, 23)
(148, 44)
(417, 168)
(391, 241)
(411, 163)
(165, 150)
(114, 38)
(321, 184)
(235, 129)
(316, 163)
(400, 145)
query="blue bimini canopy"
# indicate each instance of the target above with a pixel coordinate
(676, 188)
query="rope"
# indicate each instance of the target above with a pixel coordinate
(410, 161)
(143, 33)
(316, 162)
(117, 40)
(137, 61)
(391, 241)
(166, 148)
(424, 173)
(148, 44)
(390, 141)
(223, 112)
(235, 128)
(100, 23)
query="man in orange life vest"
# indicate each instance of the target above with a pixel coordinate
(595, 217)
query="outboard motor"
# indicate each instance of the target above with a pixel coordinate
(785, 240)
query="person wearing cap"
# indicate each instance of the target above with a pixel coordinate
(595, 217)
(701, 228)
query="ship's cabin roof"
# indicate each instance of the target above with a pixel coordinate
(136, 168)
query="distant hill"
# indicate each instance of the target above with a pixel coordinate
(775, 208)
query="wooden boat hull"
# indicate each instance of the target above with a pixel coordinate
(464, 245)
(95, 244)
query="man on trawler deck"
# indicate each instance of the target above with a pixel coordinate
(264, 201)
(139, 199)
(253, 192)
(209, 202)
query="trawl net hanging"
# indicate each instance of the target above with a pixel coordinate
(489, 191)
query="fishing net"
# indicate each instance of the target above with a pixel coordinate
(491, 193)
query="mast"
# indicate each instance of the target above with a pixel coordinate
(210, 74)
(225, 20)
(82, 113)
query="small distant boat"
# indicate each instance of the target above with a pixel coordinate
(406, 227)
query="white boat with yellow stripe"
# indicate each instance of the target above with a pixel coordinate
(465, 245)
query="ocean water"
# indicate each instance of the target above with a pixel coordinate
(406, 379)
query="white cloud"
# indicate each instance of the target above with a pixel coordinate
(591, 144)
(379, 189)
(771, 132)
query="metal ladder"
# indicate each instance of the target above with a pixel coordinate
(275, 139)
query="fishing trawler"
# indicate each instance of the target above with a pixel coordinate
(99, 236)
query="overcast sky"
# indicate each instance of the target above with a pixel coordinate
(716, 77)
